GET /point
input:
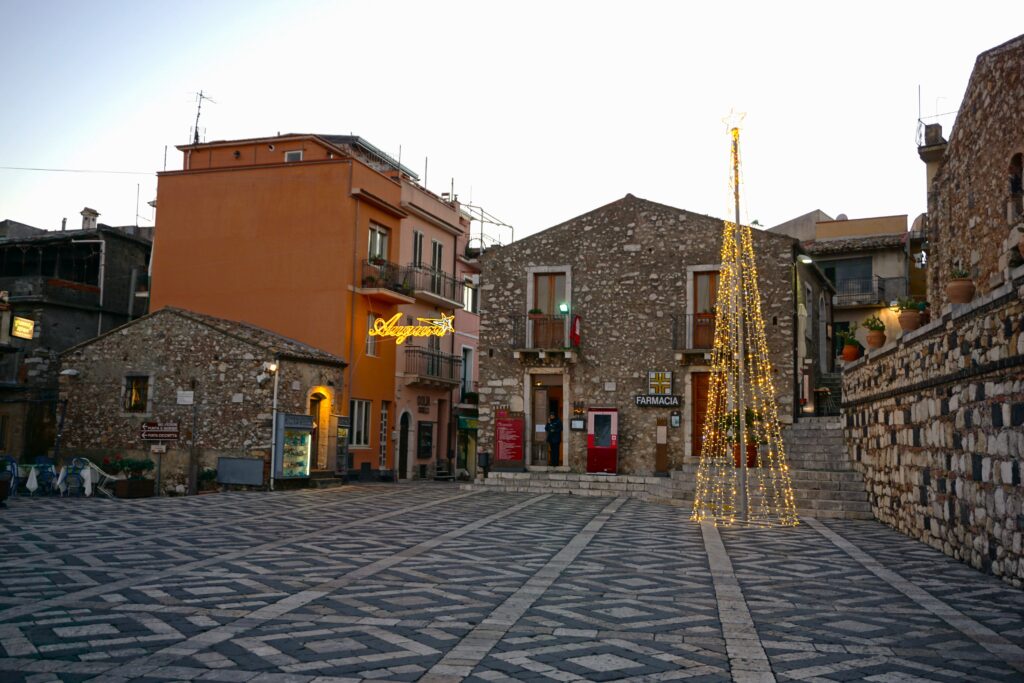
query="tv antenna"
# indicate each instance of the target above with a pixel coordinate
(200, 96)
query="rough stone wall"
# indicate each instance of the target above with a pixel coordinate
(629, 275)
(967, 202)
(936, 424)
(233, 393)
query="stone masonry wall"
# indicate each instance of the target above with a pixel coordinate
(628, 265)
(967, 204)
(936, 424)
(233, 393)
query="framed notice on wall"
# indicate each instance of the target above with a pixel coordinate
(508, 441)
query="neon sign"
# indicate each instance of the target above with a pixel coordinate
(434, 327)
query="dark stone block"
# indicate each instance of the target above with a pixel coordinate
(968, 418)
(1017, 414)
(927, 523)
(941, 483)
(1016, 473)
(979, 391)
(976, 467)
(926, 476)
(965, 514)
(993, 547)
(917, 436)
(958, 442)
(906, 417)
(986, 565)
(997, 414)
(951, 508)
(945, 407)
(953, 340)
(892, 438)
(1008, 328)
(923, 497)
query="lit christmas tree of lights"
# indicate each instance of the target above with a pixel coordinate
(743, 475)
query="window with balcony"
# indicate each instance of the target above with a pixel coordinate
(549, 295)
(359, 434)
(417, 248)
(705, 302)
(853, 279)
(378, 243)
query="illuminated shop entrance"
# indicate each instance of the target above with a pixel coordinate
(546, 398)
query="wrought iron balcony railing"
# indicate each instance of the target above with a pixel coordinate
(433, 365)
(438, 283)
(869, 290)
(378, 273)
(693, 331)
(537, 331)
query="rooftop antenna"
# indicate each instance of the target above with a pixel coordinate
(200, 96)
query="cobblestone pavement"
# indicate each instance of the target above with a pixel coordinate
(424, 582)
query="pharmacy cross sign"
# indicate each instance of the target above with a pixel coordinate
(659, 383)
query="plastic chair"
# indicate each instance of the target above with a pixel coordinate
(9, 464)
(46, 477)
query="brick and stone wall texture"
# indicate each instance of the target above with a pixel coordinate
(233, 393)
(628, 264)
(967, 203)
(936, 424)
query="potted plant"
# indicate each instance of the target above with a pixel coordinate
(876, 331)
(910, 315)
(535, 314)
(848, 341)
(924, 309)
(369, 281)
(135, 484)
(960, 289)
(376, 260)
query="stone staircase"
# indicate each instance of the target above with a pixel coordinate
(825, 484)
(833, 381)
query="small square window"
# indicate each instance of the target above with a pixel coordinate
(136, 393)
(294, 155)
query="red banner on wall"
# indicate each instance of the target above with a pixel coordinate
(508, 440)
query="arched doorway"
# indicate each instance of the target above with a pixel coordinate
(403, 446)
(319, 404)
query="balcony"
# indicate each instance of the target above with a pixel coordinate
(432, 369)
(542, 335)
(51, 290)
(385, 282)
(693, 337)
(434, 286)
(869, 291)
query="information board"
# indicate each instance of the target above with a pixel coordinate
(508, 440)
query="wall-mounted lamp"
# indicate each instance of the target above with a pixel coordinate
(894, 306)
(270, 366)
(804, 258)
(70, 372)
(921, 259)
(563, 307)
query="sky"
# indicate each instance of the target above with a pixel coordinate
(536, 111)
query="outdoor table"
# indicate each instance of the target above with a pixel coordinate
(31, 479)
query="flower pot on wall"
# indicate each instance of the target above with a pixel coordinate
(910, 320)
(960, 291)
(876, 339)
(851, 352)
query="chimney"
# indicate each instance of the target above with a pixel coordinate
(89, 217)
(63, 224)
(932, 152)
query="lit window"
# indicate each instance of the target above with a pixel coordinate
(136, 393)
(359, 434)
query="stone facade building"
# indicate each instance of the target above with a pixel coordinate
(936, 421)
(637, 282)
(228, 366)
(72, 285)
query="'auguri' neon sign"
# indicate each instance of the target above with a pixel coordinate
(434, 327)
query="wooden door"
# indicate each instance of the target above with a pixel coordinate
(699, 403)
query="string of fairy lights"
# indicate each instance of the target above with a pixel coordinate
(767, 494)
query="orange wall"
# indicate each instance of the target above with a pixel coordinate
(273, 246)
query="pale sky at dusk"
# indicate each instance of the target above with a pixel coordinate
(539, 110)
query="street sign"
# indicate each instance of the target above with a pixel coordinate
(159, 431)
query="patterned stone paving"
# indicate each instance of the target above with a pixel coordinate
(423, 582)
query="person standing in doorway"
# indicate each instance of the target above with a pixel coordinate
(554, 430)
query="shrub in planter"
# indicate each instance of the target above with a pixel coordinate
(876, 331)
(960, 289)
(135, 484)
(910, 316)
(207, 479)
(851, 348)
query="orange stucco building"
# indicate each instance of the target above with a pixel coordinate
(299, 234)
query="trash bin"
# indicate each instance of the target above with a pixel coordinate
(483, 459)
